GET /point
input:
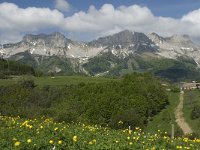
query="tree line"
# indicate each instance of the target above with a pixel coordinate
(8, 67)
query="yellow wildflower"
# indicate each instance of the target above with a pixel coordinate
(137, 128)
(29, 141)
(90, 143)
(94, 141)
(55, 129)
(51, 142)
(179, 147)
(75, 138)
(60, 142)
(17, 143)
(198, 140)
(120, 122)
(129, 131)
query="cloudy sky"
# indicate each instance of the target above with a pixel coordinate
(89, 19)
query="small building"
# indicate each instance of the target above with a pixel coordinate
(190, 86)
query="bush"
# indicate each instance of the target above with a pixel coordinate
(27, 83)
(131, 100)
(195, 112)
(127, 118)
(3, 76)
(175, 89)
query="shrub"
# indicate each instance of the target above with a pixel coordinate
(127, 118)
(27, 83)
(195, 112)
(3, 76)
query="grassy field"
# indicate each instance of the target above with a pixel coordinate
(41, 133)
(57, 80)
(191, 99)
(164, 120)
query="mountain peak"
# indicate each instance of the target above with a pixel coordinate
(30, 37)
(156, 38)
(125, 32)
(153, 34)
(183, 39)
(57, 34)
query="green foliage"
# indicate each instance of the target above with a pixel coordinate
(57, 80)
(191, 109)
(3, 76)
(164, 120)
(46, 134)
(47, 64)
(8, 67)
(27, 83)
(174, 70)
(101, 63)
(195, 112)
(127, 118)
(175, 89)
(135, 97)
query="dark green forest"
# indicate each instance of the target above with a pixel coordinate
(8, 68)
(174, 70)
(133, 100)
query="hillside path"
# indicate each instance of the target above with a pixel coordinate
(179, 116)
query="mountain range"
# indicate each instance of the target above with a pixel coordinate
(176, 57)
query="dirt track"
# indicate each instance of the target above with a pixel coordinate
(179, 116)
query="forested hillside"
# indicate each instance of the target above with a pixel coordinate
(14, 68)
(132, 100)
(175, 70)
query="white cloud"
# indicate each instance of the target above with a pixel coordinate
(62, 5)
(94, 22)
(29, 19)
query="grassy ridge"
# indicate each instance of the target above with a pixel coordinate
(57, 80)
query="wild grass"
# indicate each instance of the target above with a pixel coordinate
(191, 99)
(56, 81)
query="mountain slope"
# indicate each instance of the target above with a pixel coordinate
(48, 64)
(175, 57)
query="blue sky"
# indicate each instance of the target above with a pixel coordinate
(88, 19)
(170, 8)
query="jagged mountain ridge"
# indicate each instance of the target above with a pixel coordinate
(176, 46)
(122, 46)
(49, 45)
(124, 42)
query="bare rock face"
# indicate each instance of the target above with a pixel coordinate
(122, 45)
(176, 46)
(123, 39)
(55, 40)
(156, 38)
(49, 45)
